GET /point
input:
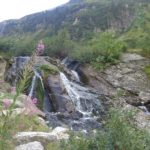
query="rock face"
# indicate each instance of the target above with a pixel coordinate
(74, 105)
(127, 82)
(2, 68)
(128, 75)
(30, 146)
(16, 65)
(60, 100)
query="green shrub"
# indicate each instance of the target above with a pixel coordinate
(119, 133)
(103, 50)
(59, 45)
(84, 54)
(49, 69)
(147, 71)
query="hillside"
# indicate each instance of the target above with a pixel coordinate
(77, 77)
(78, 21)
(80, 17)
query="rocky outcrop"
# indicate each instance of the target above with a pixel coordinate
(126, 82)
(2, 67)
(128, 75)
(30, 146)
(60, 100)
(57, 134)
(25, 137)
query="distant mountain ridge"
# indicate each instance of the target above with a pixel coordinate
(80, 17)
(72, 27)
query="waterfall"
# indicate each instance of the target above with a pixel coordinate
(144, 109)
(34, 79)
(75, 74)
(65, 103)
(84, 101)
(32, 86)
(12, 73)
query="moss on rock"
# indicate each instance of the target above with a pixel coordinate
(147, 71)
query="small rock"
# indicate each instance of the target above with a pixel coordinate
(60, 133)
(126, 70)
(30, 146)
(42, 121)
(144, 96)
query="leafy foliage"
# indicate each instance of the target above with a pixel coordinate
(147, 71)
(69, 28)
(59, 45)
(120, 133)
(104, 49)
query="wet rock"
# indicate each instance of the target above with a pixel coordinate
(53, 120)
(83, 98)
(59, 99)
(75, 121)
(86, 124)
(13, 67)
(30, 146)
(62, 118)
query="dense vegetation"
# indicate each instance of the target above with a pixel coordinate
(120, 134)
(91, 31)
(77, 29)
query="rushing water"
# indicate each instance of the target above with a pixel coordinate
(84, 100)
(34, 80)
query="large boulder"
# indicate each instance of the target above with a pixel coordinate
(58, 133)
(128, 76)
(25, 137)
(30, 146)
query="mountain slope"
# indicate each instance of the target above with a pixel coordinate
(80, 17)
(82, 20)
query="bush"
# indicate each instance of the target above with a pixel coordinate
(119, 134)
(83, 54)
(147, 71)
(103, 50)
(59, 45)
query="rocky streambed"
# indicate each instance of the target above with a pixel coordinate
(71, 103)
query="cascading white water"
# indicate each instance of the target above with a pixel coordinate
(144, 109)
(32, 86)
(61, 111)
(34, 79)
(75, 74)
(81, 96)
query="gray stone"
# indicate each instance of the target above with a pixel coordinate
(60, 133)
(30, 146)
(24, 137)
(131, 57)
(144, 96)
